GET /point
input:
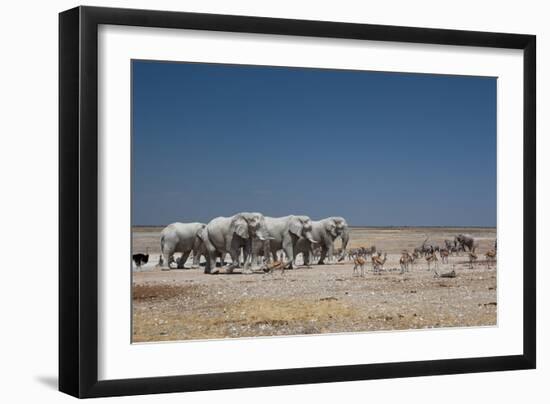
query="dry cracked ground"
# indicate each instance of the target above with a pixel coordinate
(187, 304)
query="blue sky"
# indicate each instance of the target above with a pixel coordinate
(377, 148)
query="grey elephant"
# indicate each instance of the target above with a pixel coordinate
(466, 240)
(228, 235)
(285, 233)
(183, 238)
(325, 232)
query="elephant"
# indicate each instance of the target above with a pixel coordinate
(184, 238)
(324, 232)
(230, 234)
(466, 240)
(450, 244)
(285, 233)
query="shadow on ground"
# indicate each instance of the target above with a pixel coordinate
(48, 381)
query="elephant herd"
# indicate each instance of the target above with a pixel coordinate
(256, 236)
(461, 242)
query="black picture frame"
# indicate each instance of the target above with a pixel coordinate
(78, 201)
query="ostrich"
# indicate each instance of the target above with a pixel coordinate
(141, 259)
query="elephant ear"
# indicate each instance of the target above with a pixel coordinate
(296, 226)
(202, 233)
(240, 227)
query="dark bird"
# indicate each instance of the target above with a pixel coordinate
(140, 259)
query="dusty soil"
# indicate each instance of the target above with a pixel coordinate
(187, 304)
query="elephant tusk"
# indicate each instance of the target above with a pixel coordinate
(313, 241)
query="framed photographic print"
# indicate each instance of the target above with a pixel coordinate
(250, 201)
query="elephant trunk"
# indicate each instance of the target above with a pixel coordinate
(262, 235)
(345, 240)
(309, 237)
(267, 251)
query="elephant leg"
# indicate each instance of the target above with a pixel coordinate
(168, 258)
(239, 257)
(235, 253)
(235, 258)
(168, 249)
(198, 248)
(248, 260)
(267, 253)
(211, 256)
(323, 256)
(251, 255)
(257, 255)
(306, 258)
(327, 251)
(196, 259)
(210, 261)
(287, 247)
(183, 259)
(330, 253)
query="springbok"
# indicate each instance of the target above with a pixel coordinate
(490, 256)
(405, 260)
(369, 251)
(472, 258)
(378, 262)
(359, 263)
(432, 258)
(269, 267)
(412, 259)
(444, 254)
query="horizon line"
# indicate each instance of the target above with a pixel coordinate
(371, 226)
